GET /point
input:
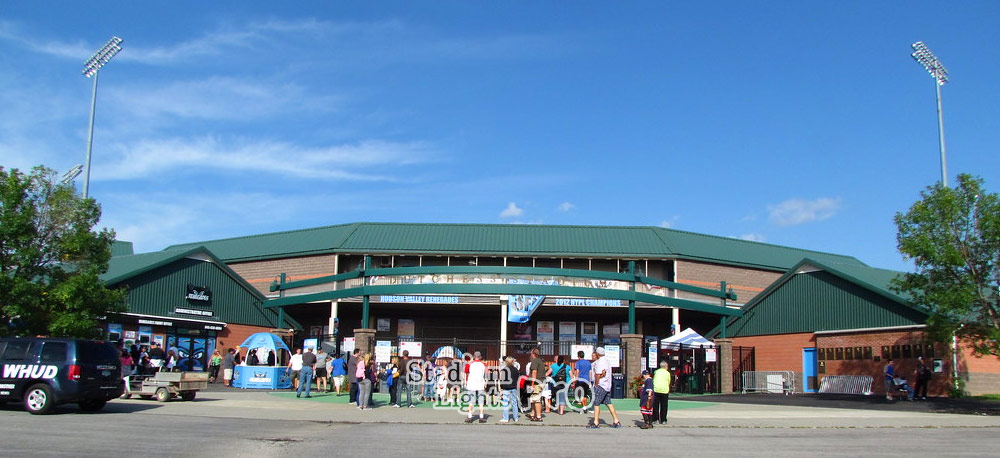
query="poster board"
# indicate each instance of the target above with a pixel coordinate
(586, 349)
(405, 329)
(415, 348)
(383, 351)
(348, 345)
(613, 353)
(588, 332)
(383, 324)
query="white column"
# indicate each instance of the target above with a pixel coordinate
(333, 314)
(503, 326)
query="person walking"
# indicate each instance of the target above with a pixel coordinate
(364, 383)
(228, 363)
(582, 376)
(475, 385)
(338, 372)
(213, 367)
(320, 372)
(602, 389)
(308, 367)
(405, 373)
(561, 374)
(661, 392)
(922, 376)
(646, 395)
(507, 385)
(537, 372)
(294, 368)
(352, 377)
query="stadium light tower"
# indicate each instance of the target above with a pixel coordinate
(91, 68)
(940, 74)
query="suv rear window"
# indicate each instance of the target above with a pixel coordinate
(53, 352)
(95, 352)
(16, 350)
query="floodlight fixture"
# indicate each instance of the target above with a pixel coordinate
(91, 68)
(925, 57)
(71, 174)
(103, 56)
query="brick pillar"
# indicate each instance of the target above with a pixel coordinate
(725, 355)
(634, 348)
(363, 340)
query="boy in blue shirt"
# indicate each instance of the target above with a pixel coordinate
(581, 374)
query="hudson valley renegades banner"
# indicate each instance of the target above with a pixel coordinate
(520, 307)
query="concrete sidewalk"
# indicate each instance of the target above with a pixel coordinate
(323, 407)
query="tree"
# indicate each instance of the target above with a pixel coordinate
(953, 237)
(51, 259)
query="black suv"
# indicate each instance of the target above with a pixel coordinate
(45, 372)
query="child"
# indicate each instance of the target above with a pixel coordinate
(646, 400)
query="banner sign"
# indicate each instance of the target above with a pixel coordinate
(567, 331)
(520, 307)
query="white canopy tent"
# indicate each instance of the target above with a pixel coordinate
(686, 339)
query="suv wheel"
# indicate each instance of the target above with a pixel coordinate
(38, 399)
(92, 405)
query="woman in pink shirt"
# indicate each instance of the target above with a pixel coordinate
(364, 383)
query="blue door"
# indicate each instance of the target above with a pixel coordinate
(809, 370)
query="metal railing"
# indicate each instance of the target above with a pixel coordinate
(769, 381)
(846, 384)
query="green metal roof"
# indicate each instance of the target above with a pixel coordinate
(815, 296)
(513, 240)
(151, 279)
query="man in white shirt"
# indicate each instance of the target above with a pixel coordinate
(475, 385)
(295, 367)
(602, 389)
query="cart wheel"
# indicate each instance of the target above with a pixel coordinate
(188, 395)
(162, 395)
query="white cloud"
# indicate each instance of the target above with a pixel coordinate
(669, 223)
(799, 211)
(157, 157)
(218, 98)
(512, 211)
(752, 237)
(565, 207)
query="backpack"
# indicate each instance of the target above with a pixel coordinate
(561, 374)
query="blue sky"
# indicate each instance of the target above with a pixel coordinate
(804, 124)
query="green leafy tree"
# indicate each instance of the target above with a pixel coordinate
(51, 258)
(953, 237)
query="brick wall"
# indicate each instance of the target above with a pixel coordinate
(981, 374)
(747, 283)
(235, 334)
(260, 274)
(906, 363)
(781, 352)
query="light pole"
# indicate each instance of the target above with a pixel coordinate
(90, 68)
(940, 74)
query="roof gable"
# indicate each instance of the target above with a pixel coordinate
(813, 296)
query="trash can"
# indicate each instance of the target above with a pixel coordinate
(694, 384)
(617, 386)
